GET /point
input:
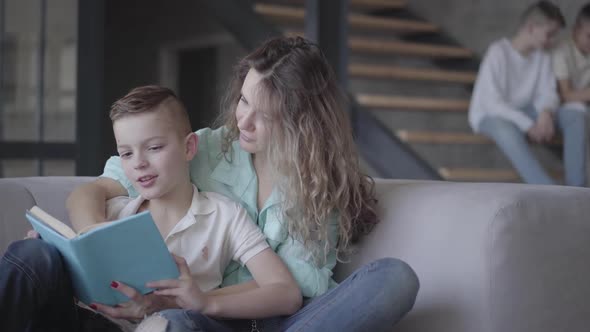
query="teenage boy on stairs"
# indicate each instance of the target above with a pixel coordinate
(515, 98)
(571, 64)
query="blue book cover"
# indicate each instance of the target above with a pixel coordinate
(130, 250)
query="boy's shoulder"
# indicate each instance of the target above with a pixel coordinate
(498, 48)
(498, 44)
(564, 47)
(223, 210)
(218, 202)
(216, 197)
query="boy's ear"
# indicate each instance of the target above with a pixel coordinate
(191, 142)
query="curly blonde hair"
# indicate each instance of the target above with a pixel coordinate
(313, 155)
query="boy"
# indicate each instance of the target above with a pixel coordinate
(571, 62)
(515, 97)
(204, 231)
(155, 143)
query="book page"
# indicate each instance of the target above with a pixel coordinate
(53, 222)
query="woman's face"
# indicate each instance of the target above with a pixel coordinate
(252, 122)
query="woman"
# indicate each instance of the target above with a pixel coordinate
(286, 153)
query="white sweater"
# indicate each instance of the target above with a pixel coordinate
(509, 82)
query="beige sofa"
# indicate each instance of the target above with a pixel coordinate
(490, 257)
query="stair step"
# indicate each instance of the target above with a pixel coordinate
(356, 20)
(362, 21)
(487, 175)
(387, 47)
(361, 44)
(280, 11)
(432, 137)
(412, 103)
(396, 72)
(380, 4)
(367, 4)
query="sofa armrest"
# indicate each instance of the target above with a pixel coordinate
(490, 257)
(16, 199)
(19, 194)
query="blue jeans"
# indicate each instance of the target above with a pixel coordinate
(36, 292)
(571, 121)
(36, 295)
(373, 298)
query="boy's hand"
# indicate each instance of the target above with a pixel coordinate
(32, 234)
(139, 305)
(547, 125)
(544, 129)
(187, 293)
(534, 134)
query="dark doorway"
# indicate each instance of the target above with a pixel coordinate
(197, 82)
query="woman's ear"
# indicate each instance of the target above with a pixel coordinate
(191, 142)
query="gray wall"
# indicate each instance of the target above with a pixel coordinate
(139, 32)
(476, 23)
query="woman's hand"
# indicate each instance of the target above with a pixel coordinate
(139, 305)
(184, 290)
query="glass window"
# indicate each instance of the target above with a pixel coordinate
(60, 71)
(22, 22)
(19, 167)
(59, 167)
(26, 28)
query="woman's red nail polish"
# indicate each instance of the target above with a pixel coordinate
(93, 306)
(114, 284)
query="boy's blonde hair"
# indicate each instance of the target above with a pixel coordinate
(148, 99)
(542, 12)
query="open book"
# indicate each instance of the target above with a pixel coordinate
(130, 250)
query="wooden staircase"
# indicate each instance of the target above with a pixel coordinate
(380, 54)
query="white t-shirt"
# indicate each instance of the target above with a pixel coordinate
(509, 82)
(215, 231)
(571, 64)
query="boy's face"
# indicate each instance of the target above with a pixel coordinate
(153, 155)
(543, 34)
(582, 36)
